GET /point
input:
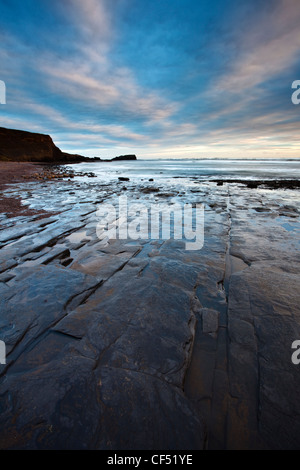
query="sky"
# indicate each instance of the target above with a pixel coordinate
(157, 78)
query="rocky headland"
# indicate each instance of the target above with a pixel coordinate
(23, 146)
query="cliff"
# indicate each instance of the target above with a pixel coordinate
(23, 146)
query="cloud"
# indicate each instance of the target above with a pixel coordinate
(270, 46)
(116, 89)
(142, 75)
(92, 19)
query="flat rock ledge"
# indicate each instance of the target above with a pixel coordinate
(145, 345)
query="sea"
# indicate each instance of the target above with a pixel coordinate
(184, 178)
(202, 169)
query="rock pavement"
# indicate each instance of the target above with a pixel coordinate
(141, 344)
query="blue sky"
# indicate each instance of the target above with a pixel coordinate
(159, 78)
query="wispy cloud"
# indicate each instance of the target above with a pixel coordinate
(270, 45)
(116, 89)
(143, 75)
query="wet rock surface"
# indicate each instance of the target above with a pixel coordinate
(142, 344)
(269, 184)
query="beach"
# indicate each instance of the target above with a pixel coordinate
(11, 173)
(140, 343)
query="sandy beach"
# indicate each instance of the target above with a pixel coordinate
(13, 172)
